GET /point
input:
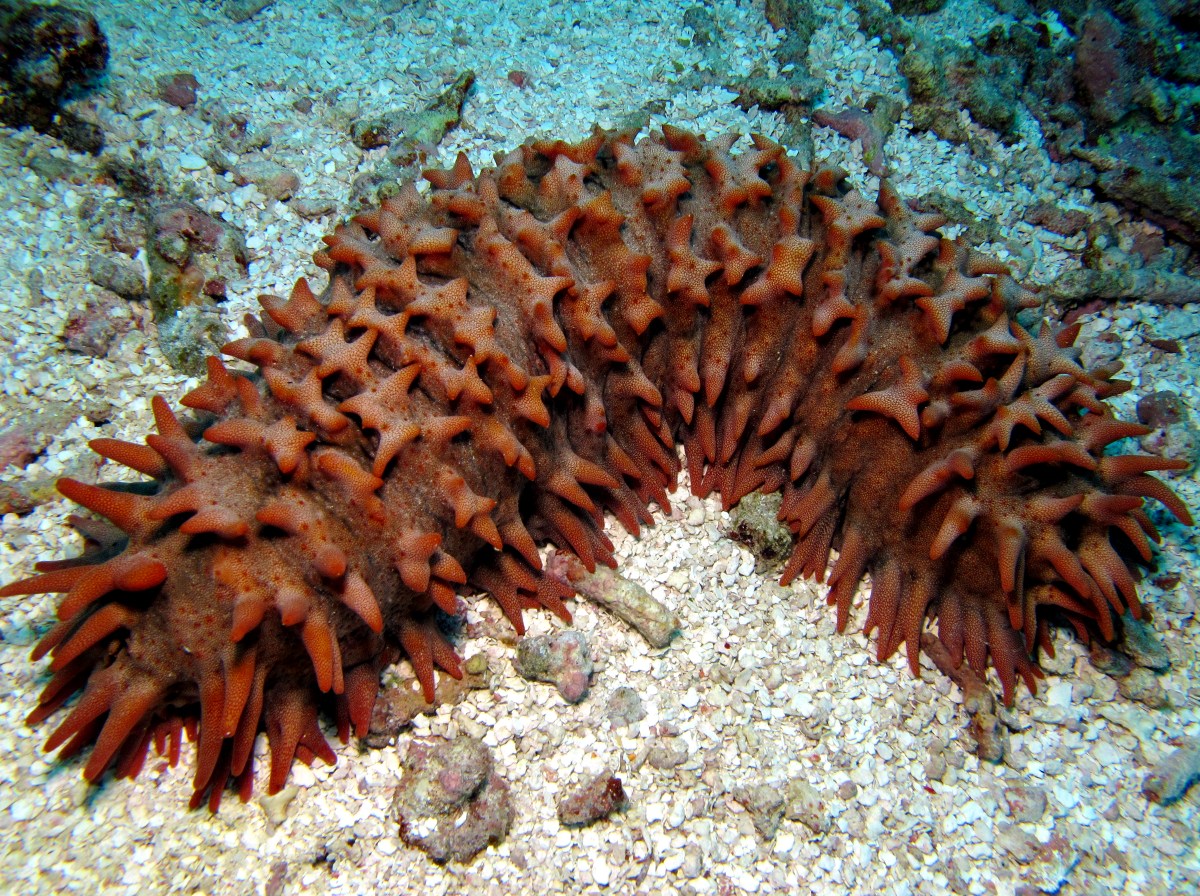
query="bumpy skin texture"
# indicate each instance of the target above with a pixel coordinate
(498, 364)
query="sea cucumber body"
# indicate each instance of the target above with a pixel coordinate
(501, 362)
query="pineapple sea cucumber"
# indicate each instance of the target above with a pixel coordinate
(504, 361)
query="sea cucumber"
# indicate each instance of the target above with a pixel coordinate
(504, 361)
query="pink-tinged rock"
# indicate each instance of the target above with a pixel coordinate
(178, 89)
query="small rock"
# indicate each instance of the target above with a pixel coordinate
(561, 659)
(1057, 220)
(1110, 662)
(243, 10)
(190, 336)
(178, 89)
(755, 523)
(1026, 803)
(192, 257)
(991, 737)
(235, 135)
(313, 208)
(450, 803)
(121, 275)
(92, 329)
(117, 224)
(271, 178)
(1171, 778)
(847, 791)
(625, 707)
(1142, 686)
(935, 767)
(27, 433)
(665, 754)
(765, 804)
(275, 806)
(274, 884)
(627, 600)
(603, 796)
(802, 803)
(189, 161)
(1160, 409)
(1052, 863)
(411, 133)
(1177, 323)
(1144, 645)
(398, 704)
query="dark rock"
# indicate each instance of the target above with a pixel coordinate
(704, 27)
(798, 22)
(1110, 662)
(916, 7)
(603, 796)
(49, 55)
(1113, 88)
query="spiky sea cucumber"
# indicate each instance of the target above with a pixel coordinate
(502, 362)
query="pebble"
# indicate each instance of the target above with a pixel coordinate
(1026, 803)
(272, 179)
(625, 707)
(765, 804)
(1145, 645)
(1142, 686)
(561, 659)
(804, 804)
(189, 161)
(598, 799)
(1171, 778)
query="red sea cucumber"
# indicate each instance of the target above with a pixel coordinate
(500, 363)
